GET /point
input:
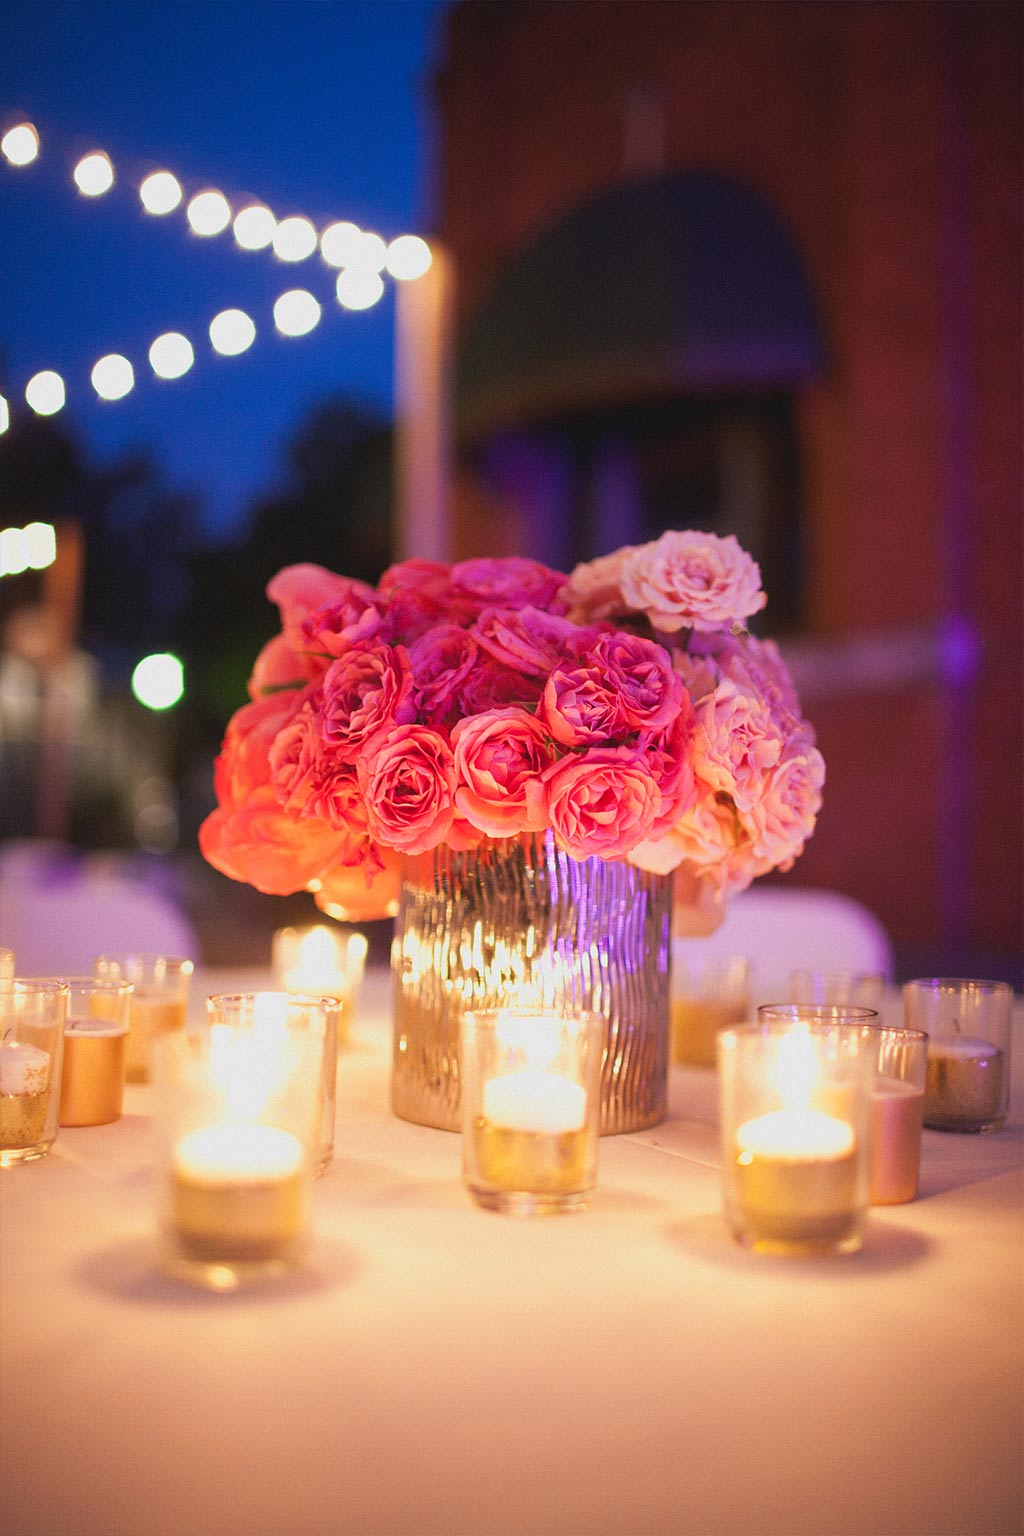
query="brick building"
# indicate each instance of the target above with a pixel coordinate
(756, 267)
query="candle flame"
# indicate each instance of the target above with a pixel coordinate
(796, 1068)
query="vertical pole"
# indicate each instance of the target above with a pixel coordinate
(423, 447)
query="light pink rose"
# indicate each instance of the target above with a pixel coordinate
(258, 842)
(601, 802)
(692, 581)
(784, 815)
(509, 583)
(529, 640)
(594, 590)
(407, 777)
(367, 688)
(442, 660)
(738, 741)
(499, 760)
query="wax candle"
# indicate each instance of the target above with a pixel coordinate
(92, 1080)
(530, 1134)
(152, 1014)
(796, 1177)
(238, 1193)
(897, 1109)
(24, 1094)
(965, 1084)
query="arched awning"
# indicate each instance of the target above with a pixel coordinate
(688, 283)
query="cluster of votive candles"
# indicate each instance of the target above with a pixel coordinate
(821, 1104)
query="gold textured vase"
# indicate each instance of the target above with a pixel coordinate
(518, 920)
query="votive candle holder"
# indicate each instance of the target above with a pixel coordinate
(968, 1023)
(32, 1014)
(159, 1001)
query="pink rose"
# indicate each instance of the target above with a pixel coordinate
(738, 741)
(491, 686)
(278, 666)
(601, 802)
(669, 758)
(580, 709)
(367, 688)
(625, 686)
(298, 590)
(294, 755)
(407, 777)
(499, 760)
(351, 618)
(594, 590)
(442, 660)
(259, 843)
(692, 581)
(528, 640)
(784, 815)
(244, 761)
(414, 596)
(509, 583)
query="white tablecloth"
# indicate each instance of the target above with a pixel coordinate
(438, 1369)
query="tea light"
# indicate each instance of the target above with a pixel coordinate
(238, 1193)
(92, 1080)
(796, 1176)
(965, 1083)
(321, 961)
(897, 1109)
(24, 1094)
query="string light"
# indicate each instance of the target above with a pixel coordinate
(371, 252)
(45, 392)
(339, 243)
(20, 144)
(294, 239)
(171, 355)
(113, 377)
(27, 549)
(254, 227)
(160, 192)
(408, 257)
(94, 174)
(359, 287)
(232, 332)
(296, 312)
(5, 415)
(209, 212)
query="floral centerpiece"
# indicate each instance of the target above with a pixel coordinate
(624, 708)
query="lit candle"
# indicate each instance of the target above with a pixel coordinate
(238, 1193)
(964, 1084)
(316, 966)
(530, 1135)
(897, 1109)
(24, 1094)
(796, 1176)
(93, 1075)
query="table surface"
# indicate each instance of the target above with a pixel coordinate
(434, 1368)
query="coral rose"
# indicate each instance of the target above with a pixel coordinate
(407, 778)
(261, 844)
(499, 760)
(367, 688)
(601, 802)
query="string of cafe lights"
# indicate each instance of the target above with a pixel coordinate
(360, 256)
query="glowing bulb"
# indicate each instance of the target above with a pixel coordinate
(296, 312)
(294, 239)
(209, 213)
(112, 377)
(5, 414)
(339, 243)
(158, 681)
(20, 144)
(359, 287)
(44, 392)
(40, 545)
(13, 552)
(408, 257)
(160, 192)
(171, 355)
(94, 174)
(371, 253)
(232, 332)
(254, 227)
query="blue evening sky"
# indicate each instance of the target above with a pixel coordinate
(320, 107)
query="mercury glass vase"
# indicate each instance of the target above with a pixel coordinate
(517, 921)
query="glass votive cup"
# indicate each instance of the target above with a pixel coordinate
(794, 1100)
(864, 989)
(531, 1108)
(897, 1112)
(95, 1050)
(967, 1086)
(322, 959)
(159, 1001)
(237, 1117)
(6, 968)
(316, 1017)
(709, 993)
(32, 1014)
